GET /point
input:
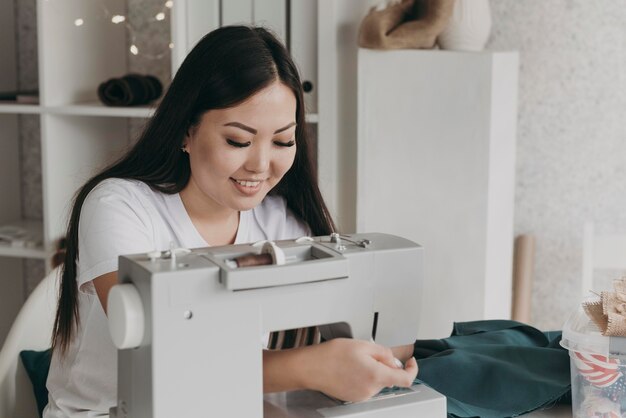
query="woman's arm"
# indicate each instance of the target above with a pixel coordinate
(351, 370)
(103, 284)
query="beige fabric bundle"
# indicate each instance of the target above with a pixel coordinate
(609, 312)
(405, 24)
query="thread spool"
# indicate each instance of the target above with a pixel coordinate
(251, 260)
(270, 254)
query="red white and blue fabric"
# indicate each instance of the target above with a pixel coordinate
(598, 370)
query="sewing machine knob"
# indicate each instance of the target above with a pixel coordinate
(126, 317)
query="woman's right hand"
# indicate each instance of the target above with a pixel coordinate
(354, 370)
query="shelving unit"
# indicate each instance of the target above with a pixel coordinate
(10, 185)
(79, 135)
(74, 59)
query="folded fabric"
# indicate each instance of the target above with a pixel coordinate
(496, 369)
(130, 90)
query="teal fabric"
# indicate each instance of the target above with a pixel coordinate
(495, 369)
(37, 364)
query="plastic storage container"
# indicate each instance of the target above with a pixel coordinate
(598, 369)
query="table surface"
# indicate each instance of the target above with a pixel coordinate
(560, 411)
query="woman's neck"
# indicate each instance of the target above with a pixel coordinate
(216, 224)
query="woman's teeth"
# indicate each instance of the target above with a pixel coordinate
(248, 183)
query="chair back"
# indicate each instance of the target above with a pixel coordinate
(31, 330)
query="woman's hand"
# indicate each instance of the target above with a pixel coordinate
(354, 370)
(346, 369)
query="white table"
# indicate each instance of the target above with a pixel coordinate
(560, 411)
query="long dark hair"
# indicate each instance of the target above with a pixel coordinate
(226, 67)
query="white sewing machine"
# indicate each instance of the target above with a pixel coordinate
(189, 323)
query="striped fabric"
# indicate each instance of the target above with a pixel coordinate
(598, 370)
(293, 338)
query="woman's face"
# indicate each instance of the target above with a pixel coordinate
(237, 155)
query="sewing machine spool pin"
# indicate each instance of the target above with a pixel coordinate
(337, 239)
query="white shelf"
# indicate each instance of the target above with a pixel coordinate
(18, 108)
(17, 252)
(95, 109)
(78, 109)
(312, 118)
(98, 109)
(34, 228)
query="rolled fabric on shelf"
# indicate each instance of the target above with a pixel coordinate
(130, 90)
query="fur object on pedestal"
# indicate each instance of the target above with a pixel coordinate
(405, 24)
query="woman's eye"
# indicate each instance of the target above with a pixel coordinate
(285, 144)
(238, 144)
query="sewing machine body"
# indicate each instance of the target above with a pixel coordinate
(200, 350)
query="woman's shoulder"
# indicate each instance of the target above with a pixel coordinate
(117, 186)
(115, 195)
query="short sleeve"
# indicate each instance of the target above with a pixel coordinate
(113, 221)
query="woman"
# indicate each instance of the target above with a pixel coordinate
(224, 160)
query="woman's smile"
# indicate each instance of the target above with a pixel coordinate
(247, 187)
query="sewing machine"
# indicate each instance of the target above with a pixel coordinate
(189, 324)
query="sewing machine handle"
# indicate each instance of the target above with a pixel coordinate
(289, 274)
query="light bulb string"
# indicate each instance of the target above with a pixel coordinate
(162, 15)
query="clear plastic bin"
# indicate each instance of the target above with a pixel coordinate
(598, 369)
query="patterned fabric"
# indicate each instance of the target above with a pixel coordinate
(597, 369)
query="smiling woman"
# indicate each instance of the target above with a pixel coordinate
(225, 159)
(237, 155)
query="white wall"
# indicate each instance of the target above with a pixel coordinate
(571, 153)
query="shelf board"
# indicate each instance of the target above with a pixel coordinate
(38, 253)
(20, 108)
(95, 109)
(312, 118)
(98, 109)
(34, 228)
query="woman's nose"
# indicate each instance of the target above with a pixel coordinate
(259, 160)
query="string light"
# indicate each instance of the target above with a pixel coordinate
(79, 22)
(135, 48)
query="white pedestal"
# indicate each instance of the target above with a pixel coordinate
(436, 164)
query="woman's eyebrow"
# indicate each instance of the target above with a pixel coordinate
(242, 126)
(284, 128)
(254, 131)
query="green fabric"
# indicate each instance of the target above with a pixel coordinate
(495, 369)
(37, 364)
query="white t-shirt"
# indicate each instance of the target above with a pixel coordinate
(127, 217)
